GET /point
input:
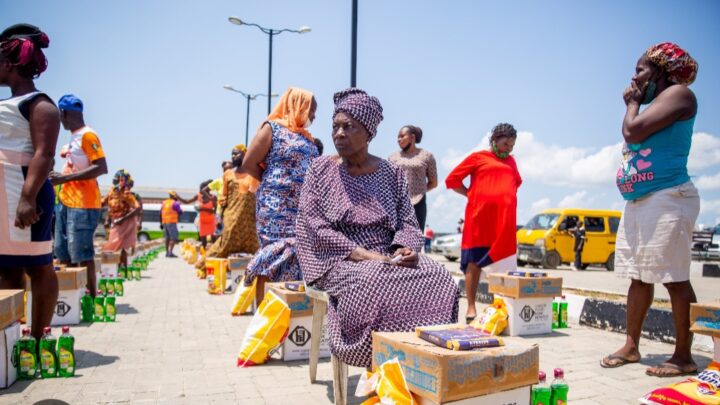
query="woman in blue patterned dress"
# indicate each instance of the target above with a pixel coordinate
(279, 156)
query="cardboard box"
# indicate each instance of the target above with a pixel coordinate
(443, 375)
(11, 307)
(110, 257)
(525, 287)
(300, 304)
(297, 344)
(705, 319)
(528, 316)
(67, 309)
(8, 337)
(72, 278)
(515, 396)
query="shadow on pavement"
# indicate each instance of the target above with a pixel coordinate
(352, 385)
(653, 359)
(87, 359)
(51, 402)
(125, 309)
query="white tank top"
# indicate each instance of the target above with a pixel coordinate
(14, 128)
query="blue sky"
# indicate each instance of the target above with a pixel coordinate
(151, 75)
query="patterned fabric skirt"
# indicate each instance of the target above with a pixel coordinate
(371, 296)
(239, 234)
(277, 261)
(123, 236)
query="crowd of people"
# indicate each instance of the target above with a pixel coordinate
(363, 245)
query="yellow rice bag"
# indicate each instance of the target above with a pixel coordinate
(267, 330)
(388, 382)
(494, 319)
(701, 390)
(243, 298)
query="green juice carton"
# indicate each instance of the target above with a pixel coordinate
(110, 286)
(48, 354)
(26, 354)
(99, 314)
(555, 313)
(119, 289)
(563, 313)
(122, 272)
(109, 309)
(66, 353)
(102, 286)
(136, 273)
(86, 307)
(541, 392)
(559, 388)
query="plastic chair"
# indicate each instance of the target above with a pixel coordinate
(340, 369)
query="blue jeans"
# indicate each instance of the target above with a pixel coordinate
(74, 233)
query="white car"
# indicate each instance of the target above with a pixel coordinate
(448, 246)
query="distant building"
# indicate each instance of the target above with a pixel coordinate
(155, 195)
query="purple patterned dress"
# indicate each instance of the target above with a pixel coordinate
(372, 211)
(277, 206)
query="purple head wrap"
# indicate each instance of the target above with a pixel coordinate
(361, 107)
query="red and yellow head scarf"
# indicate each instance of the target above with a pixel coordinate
(293, 111)
(681, 68)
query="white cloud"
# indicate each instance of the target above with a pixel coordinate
(579, 199)
(539, 205)
(709, 206)
(711, 182)
(705, 151)
(555, 165)
(444, 210)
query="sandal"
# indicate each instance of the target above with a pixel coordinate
(671, 370)
(621, 361)
(469, 319)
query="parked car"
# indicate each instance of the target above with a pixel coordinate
(546, 241)
(448, 246)
(151, 223)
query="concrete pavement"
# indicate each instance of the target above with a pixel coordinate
(173, 343)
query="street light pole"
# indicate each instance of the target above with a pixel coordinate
(353, 52)
(248, 99)
(270, 32)
(270, 35)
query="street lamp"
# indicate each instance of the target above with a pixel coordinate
(248, 98)
(270, 32)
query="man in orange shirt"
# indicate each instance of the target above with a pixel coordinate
(78, 210)
(169, 214)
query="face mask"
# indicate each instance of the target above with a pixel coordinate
(649, 92)
(307, 124)
(501, 155)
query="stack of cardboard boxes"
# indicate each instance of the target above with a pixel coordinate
(436, 375)
(11, 310)
(71, 283)
(528, 301)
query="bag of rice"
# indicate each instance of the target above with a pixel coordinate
(267, 330)
(494, 319)
(243, 298)
(388, 382)
(701, 390)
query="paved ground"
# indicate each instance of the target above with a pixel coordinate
(599, 279)
(173, 343)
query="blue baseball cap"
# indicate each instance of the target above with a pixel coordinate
(70, 102)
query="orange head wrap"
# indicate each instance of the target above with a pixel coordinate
(293, 111)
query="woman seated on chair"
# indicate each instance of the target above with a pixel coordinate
(359, 240)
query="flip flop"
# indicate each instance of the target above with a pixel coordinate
(677, 371)
(622, 361)
(469, 319)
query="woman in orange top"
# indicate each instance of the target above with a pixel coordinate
(206, 208)
(122, 210)
(489, 232)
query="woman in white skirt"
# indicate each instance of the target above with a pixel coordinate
(662, 204)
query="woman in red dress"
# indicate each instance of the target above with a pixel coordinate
(489, 231)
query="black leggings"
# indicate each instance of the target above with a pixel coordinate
(421, 213)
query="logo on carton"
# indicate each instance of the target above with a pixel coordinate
(300, 336)
(527, 313)
(62, 308)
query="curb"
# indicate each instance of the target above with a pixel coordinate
(611, 316)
